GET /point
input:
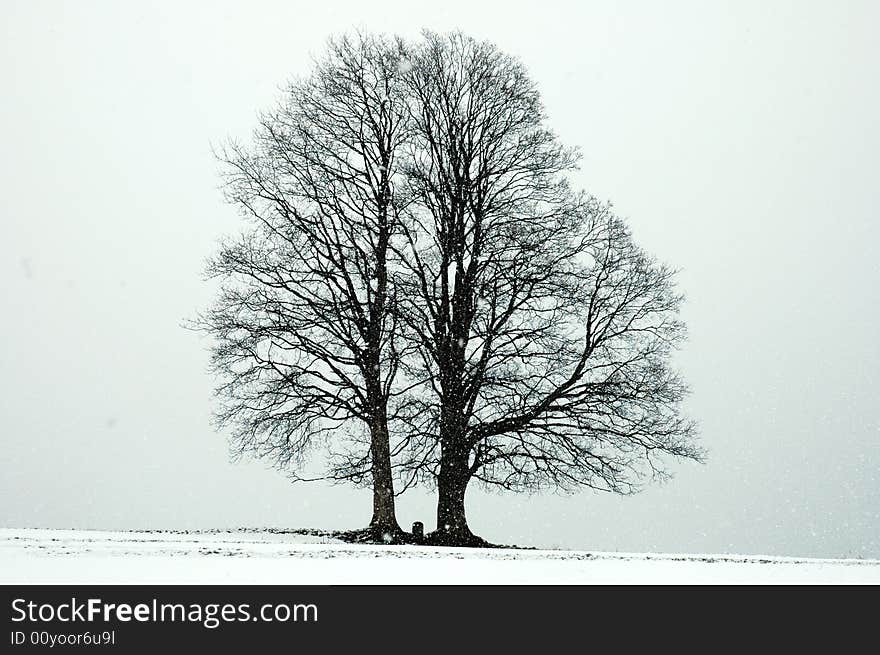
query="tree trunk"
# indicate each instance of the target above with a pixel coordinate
(452, 526)
(383, 525)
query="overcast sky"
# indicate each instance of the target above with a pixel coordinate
(740, 138)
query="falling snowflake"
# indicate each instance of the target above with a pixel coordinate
(404, 66)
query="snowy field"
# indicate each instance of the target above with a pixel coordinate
(246, 556)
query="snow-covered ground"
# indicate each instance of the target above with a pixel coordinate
(259, 557)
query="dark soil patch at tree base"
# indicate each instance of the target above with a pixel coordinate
(366, 536)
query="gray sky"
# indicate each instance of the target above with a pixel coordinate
(741, 139)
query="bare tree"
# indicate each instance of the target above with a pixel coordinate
(422, 293)
(542, 334)
(305, 335)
